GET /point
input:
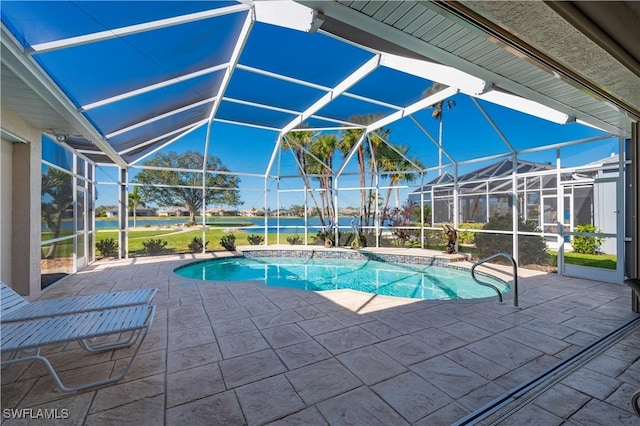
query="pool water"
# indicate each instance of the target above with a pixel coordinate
(390, 279)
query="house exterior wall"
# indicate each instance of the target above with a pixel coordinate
(6, 206)
(24, 208)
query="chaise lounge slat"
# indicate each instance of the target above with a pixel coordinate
(18, 339)
(16, 308)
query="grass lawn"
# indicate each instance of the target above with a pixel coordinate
(605, 261)
(179, 242)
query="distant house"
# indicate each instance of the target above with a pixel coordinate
(173, 211)
(218, 211)
(252, 212)
(140, 211)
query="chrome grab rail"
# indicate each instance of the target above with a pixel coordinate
(515, 275)
(635, 404)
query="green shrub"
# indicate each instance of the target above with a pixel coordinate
(108, 246)
(294, 239)
(467, 237)
(196, 245)
(228, 242)
(154, 246)
(434, 238)
(531, 248)
(584, 244)
(255, 240)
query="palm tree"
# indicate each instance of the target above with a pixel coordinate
(437, 113)
(323, 148)
(135, 200)
(347, 142)
(396, 162)
(364, 152)
(297, 142)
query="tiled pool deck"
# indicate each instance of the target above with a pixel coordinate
(243, 353)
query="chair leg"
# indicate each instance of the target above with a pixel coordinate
(58, 381)
(84, 343)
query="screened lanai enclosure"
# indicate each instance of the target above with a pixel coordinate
(316, 131)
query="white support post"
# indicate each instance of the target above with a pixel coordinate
(559, 208)
(433, 208)
(440, 144)
(306, 218)
(486, 197)
(377, 209)
(274, 154)
(204, 211)
(422, 210)
(336, 229)
(620, 208)
(266, 206)
(514, 206)
(74, 189)
(123, 213)
(456, 201)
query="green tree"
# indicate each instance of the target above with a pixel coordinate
(397, 163)
(297, 210)
(57, 196)
(184, 188)
(299, 143)
(366, 154)
(101, 211)
(323, 148)
(347, 143)
(135, 200)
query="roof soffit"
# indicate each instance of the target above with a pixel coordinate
(540, 25)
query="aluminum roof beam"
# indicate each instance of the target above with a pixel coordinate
(494, 125)
(342, 87)
(134, 29)
(434, 140)
(153, 87)
(164, 145)
(159, 138)
(235, 56)
(383, 139)
(417, 106)
(160, 117)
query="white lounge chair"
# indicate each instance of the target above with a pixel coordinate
(15, 308)
(23, 340)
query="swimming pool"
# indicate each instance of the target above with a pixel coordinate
(370, 276)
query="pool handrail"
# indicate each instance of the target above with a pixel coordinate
(515, 275)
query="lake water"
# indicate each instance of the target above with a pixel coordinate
(287, 224)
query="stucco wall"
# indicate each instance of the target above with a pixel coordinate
(24, 208)
(6, 170)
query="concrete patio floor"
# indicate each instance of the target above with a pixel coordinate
(243, 353)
